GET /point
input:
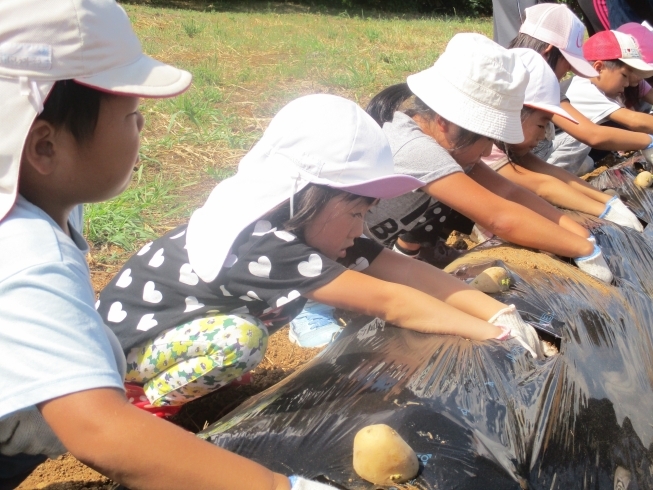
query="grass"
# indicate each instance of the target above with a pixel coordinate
(246, 65)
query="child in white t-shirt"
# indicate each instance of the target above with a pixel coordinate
(553, 31)
(541, 102)
(618, 61)
(71, 74)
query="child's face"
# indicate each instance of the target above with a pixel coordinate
(534, 127)
(471, 155)
(334, 229)
(612, 81)
(102, 166)
(634, 79)
(562, 67)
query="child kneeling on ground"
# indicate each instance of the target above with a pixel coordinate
(541, 102)
(62, 370)
(193, 310)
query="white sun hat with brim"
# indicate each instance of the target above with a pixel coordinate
(543, 90)
(557, 25)
(89, 41)
(477, 85)
(316, 139)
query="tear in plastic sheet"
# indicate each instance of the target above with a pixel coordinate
(484, 415)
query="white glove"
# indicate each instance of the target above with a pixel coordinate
(648, 151)
(595, 265)
(514, 327)
(299, 483)
(480, 235)
(617, 212)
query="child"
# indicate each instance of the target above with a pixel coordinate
(540, 104)
(619, 64)
(639, 96)
(556, 33)
(209, 292)
(70, 77)
(471, 96)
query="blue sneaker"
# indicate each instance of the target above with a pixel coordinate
(314, 326)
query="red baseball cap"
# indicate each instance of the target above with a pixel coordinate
(615, 45)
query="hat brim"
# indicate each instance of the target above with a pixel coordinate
(644, 69)
(146, 77)
(552, 109)
(385, 187)
(455, 106)
(579, 65)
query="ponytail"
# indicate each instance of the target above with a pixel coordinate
(384, 104)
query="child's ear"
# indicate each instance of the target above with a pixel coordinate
(39, 147)
(599, 66)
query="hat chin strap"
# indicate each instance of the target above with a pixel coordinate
(294, 177)
(29, 87)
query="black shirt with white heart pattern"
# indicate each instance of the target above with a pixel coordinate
(265, 274)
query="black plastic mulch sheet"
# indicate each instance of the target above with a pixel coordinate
(484, 415)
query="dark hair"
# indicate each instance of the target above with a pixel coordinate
(74, 107)
(631, 97)
(307, 205)
(611, 64)
(526, 41)
(526, 112)
(384, 104)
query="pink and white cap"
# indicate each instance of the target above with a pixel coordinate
(89, 41)
(543, 89)
(643, 37)
(317, 139)
(615, 45)
(557, 25)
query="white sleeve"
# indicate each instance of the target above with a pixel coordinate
(590, 101)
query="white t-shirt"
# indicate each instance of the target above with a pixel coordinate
(54, 342)
(590, 101)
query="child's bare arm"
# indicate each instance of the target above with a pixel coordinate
(552, 190)
(536, 164)
(101, 429)
(633, 120)
(413, 295)
(600, 137)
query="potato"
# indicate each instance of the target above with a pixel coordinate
(492, 280)
(644, 179)
(382, 457)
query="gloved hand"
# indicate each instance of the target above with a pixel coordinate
(299, 483)
(595, 265)
(617, 212)
(479, 234)
(514, 327)
(648, 151)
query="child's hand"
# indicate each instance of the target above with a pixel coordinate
(515, 328)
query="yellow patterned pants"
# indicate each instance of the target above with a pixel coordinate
(198, 357)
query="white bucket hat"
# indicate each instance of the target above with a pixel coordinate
(477, 85)
(89, 41)
(543, 90)
(557, 25)
(319, 139)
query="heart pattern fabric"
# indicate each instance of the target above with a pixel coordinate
(158, 289)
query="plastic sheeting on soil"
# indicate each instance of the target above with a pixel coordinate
(484, 415)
